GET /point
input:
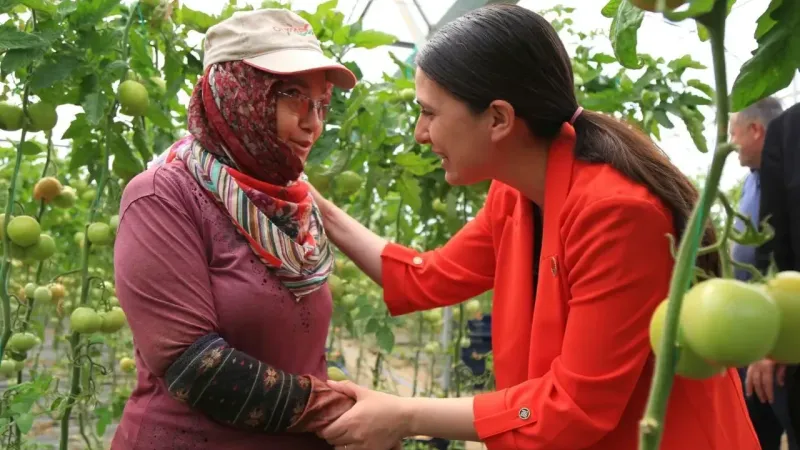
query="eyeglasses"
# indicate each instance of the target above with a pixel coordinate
(300, 103)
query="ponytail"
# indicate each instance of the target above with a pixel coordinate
(604, 139)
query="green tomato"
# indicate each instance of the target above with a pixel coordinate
(336, 285)
(729, 322)
(42, 116)
(85, 320)
(113, 320)
(24, 231)
(690, 365)
(439, 206)
(133, 98)
(99, 233)
(22, 342)
(349, 182)
(348, 301)
(42, 250)
(30, 290)
(11, 117)
(784, 288)
(432, 315)
(336, 374)
(8, 367)
(127, 365)
(472, 307)
(66, 198)
(113, 222)
(43, 294)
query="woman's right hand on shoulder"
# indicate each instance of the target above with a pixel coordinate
(350, 236)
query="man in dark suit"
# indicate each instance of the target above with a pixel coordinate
(764, 381)
(780, 200)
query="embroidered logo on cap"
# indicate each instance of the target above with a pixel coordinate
(304, 30)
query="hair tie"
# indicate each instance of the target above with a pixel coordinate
(575, 116)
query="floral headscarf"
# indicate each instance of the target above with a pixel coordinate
(235, 154)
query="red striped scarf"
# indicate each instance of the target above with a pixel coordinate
(235, 154)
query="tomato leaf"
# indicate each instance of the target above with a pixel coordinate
(12, 39)
(372, 39)
(685, 62)
(141, 61)
(52, 72)
(196, 20)
(84, 155)
(766, 22)
(94, 105)
(173, 72)
(140, 140)
(696, 8)
(694, 125)
(91, 12)
(410, 191)
(125, 163)
(385, 338)
(103, 419)
(40, 5)
(774, 63)
(66, 7)
(19, 58)
(158, 117)
(610, 10)
(79, 128)
(415, 164)
(702, 87)
(693, 100)
(624, 34)
(24, 422)
(372, 325)
(660, 116)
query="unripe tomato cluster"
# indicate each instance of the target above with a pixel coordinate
(99, 233)
(41, 116)
(729, 323)
(86, 320)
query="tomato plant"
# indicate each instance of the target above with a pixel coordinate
(703, 306)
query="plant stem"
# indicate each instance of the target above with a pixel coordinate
(652, 425)
(5, 266)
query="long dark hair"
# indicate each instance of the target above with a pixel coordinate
(506, 52)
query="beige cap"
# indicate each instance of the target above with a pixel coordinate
(274, 40)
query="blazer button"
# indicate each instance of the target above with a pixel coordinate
(524, 413)
(417, 260)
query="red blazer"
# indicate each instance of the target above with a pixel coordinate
(574, 365)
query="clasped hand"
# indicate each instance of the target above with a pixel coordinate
(377, 421)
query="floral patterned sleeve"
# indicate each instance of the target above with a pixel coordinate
(238, 390)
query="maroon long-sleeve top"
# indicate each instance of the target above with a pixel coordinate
(182, 271)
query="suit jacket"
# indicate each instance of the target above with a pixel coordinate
(780, 191)
(573, 362)
(780, 201)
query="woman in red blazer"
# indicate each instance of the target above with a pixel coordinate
(571, 349)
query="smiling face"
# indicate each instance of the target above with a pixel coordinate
(749, 136)
(302, 105)
(460, 137)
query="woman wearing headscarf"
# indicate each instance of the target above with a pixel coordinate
(221, 259)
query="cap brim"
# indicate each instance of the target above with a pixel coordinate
(296, 61)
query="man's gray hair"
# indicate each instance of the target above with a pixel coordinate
(762, 111)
